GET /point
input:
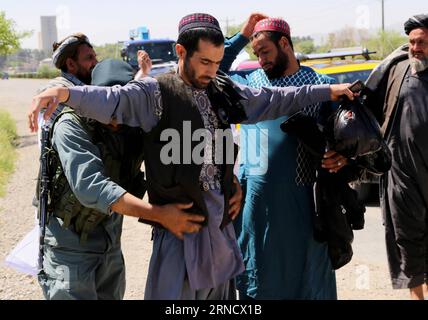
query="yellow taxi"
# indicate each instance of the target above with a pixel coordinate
(345, 66)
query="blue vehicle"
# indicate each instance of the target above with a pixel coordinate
(161, 51)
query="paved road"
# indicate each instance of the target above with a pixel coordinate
(366, 277)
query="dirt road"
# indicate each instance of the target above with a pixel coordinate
(366, 277)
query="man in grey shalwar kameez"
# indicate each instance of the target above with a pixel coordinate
(404, 189)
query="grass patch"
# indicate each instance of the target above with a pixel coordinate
(7, 148)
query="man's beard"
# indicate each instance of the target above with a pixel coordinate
(280, 64)
(191, 75)
(418, 65)
(84, 76)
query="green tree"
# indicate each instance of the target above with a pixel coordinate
(47, 72)
(303, 44)
(233, 29)
(344, 38)
(305, 47)
(108, 51)
(9, 37)
(384, 43)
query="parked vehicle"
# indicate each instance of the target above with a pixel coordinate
(161, 51)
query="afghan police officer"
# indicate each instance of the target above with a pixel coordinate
(94, 169)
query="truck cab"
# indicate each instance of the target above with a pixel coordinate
(161, 51)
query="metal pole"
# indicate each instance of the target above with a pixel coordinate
(227, 25)
(383, 15)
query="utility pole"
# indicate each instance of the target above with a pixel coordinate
(383, 15)
(227, 21)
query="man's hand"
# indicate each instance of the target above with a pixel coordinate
(333, 161)
(248, 27)
(177, 221)
(48, 99)
(338, 90)
(144, 64)
(236, 201)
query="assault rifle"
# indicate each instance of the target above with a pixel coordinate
(44, 190)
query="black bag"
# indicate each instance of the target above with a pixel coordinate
(305, 128)
(376, 163)
(355, 130)
(226, 100)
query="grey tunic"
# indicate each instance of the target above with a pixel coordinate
(210, 258)
(404, 189)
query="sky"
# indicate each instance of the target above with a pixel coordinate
(110, 21)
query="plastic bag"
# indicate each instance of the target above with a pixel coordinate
(24, 257)
(356, 131)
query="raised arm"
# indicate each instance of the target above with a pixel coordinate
(94, 189)
(234, 44)
(137, 104)
(272, 103)
(232, 47)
